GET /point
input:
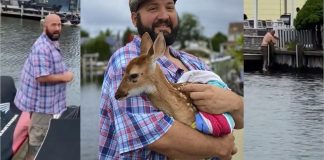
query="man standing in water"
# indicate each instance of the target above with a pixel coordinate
(42, 90)
(268, 39)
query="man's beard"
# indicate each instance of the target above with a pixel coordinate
(169, 37)
(51, 36)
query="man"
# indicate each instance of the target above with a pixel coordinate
(133, 128)
(269, 39)
(42, 90)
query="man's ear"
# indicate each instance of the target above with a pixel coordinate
(134, 18)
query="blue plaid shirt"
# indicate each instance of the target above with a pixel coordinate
(49, 98)
(128, 126)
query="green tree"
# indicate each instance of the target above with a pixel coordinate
(237, 54)
(84, 33)
(128, 35)
(107, 32)
(311, 17)
(189, 29)
(98, 45)
(217, 39)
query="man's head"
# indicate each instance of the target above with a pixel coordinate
(154, 16)
(273, 32)
(52, 26)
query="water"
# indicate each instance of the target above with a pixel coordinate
(90, 93)
(17, 37)
(284, 116)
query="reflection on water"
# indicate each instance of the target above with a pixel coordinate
(284, 116)
(90, 98)
(17, 37)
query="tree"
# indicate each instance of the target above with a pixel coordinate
(217, 39)
(98, 45)
(311, 17)
(237, 54)
(128, 36)
(84, 33)
(189, 29)
(107, 33)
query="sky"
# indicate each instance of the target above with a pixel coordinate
(214, 15)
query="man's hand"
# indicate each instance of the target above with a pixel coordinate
(183, 142)
(216, 100)
(67, 76)
(229, 148)
(56, 78)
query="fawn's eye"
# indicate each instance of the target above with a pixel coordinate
(133, 76)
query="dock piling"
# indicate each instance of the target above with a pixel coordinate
(299, 56)
(22, 11)
(268, 61)
(42, 13)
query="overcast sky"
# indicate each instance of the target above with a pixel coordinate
(213, 15)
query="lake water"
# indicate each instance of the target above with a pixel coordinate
(284, 116)
(90, 98)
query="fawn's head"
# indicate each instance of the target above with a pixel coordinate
(140, 70)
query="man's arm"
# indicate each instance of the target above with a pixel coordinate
(217, 100)
(183, 142)
(56, 78)
(274, 39)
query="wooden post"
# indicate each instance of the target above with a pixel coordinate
(84, 65)
(268, 61)
(22, 10)
(42, 13)
(299, 56)
(256, 13)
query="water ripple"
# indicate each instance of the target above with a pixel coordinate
(284, 116)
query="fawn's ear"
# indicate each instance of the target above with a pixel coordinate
(159, 46)
(146, 43)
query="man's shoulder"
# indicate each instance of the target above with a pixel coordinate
(193, 60)
(41, 44)
(123, 55)
(187, 54)
(190, 56)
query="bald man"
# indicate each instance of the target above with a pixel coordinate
(42, 90)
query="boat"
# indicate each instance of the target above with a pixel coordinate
(68, 19)
(62, 140)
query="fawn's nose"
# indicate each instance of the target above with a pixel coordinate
(120, 95)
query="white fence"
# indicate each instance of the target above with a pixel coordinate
(287, 35)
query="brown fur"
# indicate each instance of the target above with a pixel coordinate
(166, 96)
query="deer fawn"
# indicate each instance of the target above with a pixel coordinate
(144, 75)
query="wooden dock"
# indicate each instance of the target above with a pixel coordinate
(299, 59)
(91, 67)
(16, 11)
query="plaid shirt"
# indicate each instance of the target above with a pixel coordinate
(49, 98)
(128, 126)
